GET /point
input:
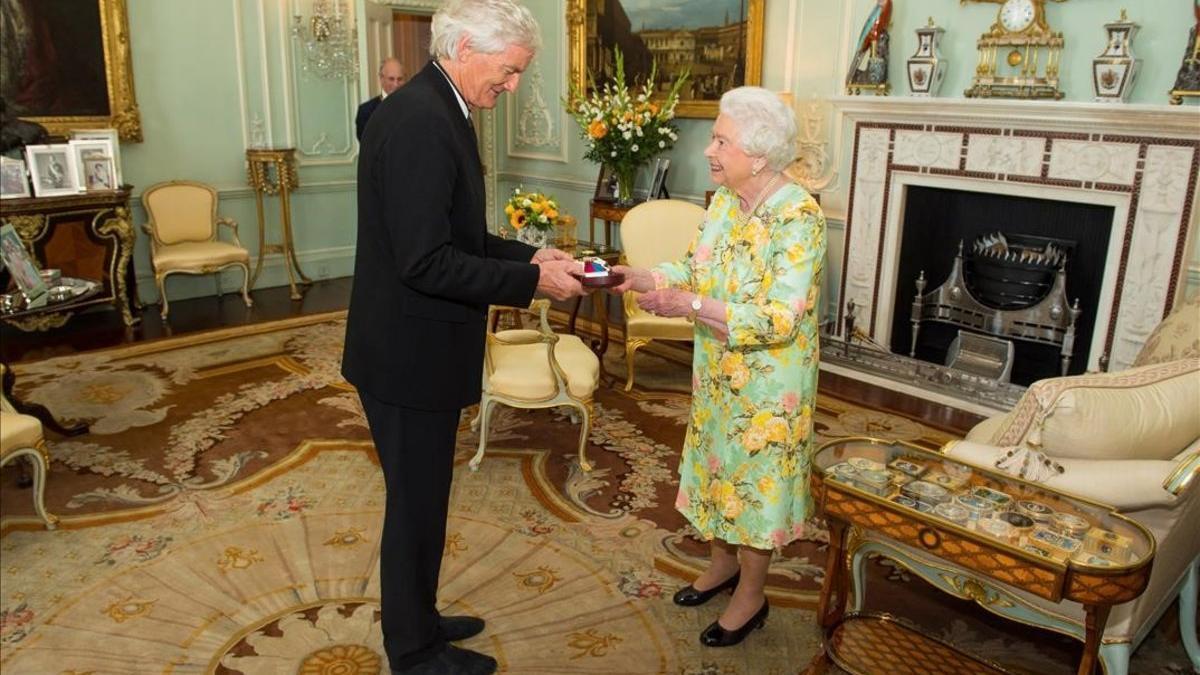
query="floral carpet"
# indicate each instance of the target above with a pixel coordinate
(222, 515)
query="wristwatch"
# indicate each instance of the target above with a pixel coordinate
(696, 305)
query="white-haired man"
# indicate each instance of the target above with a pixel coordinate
(425, 271)
(391, 76)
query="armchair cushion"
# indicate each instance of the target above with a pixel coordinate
(1177, 337)
(512, 375)
(195, 255)
(1151, 412)
(18, 431)
(643, 324)
(181, 212)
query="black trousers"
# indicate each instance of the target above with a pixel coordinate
(416, 451)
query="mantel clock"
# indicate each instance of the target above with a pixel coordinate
(1019, 55)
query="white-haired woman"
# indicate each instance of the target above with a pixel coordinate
(750, 281)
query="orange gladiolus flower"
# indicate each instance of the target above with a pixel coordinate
(597, 129)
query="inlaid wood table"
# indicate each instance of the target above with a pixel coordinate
(972, 532)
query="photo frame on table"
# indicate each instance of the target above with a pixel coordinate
(98, 174)
(114, 146)
(658, 186)
(85, 80)
(52, 170)
(14, 180)
(20, 266)
(606, 185)
(728, 32)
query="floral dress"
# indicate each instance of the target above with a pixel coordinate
(745, 467)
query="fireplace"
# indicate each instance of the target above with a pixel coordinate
(1115, 184)
(937, 220)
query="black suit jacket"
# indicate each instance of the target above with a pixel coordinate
(426, 268)
(364, 113)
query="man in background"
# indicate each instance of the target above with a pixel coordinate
(391, 76)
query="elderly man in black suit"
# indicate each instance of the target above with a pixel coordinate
(391, 76)
(426, 269)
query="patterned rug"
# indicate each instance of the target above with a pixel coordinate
(223, 513)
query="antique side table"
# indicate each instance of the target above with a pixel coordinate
(272, 171)
(609, 213)
(964, 528)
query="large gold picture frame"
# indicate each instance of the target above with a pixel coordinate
(69, 31)
(585, 22)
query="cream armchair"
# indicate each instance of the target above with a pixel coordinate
(536, 368)
(651, 233)
(1129, 439)
(21, 436)
(183, 235)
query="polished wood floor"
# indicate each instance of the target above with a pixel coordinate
(103, 328)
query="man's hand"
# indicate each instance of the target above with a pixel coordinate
(555, 278)
(547, 254)
(636, 279)
(667, 302)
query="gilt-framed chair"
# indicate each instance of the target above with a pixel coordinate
(183, 230)
(655, 232)
(21, 436)
(536, 368)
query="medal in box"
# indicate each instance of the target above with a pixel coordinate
(1107, 544)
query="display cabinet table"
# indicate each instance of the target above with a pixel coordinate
(982, 527)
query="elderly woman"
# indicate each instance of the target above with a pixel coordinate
(750, 282)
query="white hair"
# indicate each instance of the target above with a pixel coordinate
(766, 125)
(491, 25)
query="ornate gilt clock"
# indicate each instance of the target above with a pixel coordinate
(1019, 55)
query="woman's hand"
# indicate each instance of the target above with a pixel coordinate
(636, 279)
(667, 302)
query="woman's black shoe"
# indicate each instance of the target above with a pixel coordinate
(688, 596)
(716, 636)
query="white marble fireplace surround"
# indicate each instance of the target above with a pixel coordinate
(1142, 160)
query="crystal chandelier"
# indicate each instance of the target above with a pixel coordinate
(329, 41)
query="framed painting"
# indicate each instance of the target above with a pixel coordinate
(719, 42)
(65, 64)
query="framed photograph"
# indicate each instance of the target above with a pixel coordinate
(112, 149)
(658, 186)
(606, 185)
(720, 42)
(98, 174)
(52, 169)
(88, 84)
(20, 266)
(14, 182)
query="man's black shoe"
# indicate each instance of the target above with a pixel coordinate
(455, 628)
(452, 661)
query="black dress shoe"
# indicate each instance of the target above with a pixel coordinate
(688, 596)
(452, 661)
(716, 636)
(455, 628)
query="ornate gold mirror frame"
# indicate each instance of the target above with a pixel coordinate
(123, 112)
(581, 29)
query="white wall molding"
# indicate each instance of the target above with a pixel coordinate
(313, 155)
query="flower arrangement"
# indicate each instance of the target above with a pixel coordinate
(531, 208)
(623, 128)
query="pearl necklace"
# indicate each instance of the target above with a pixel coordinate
(748, 214)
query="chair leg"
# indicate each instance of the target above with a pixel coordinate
(485, 410)
(1187, 614)
(631, 347)
(161, 281)
(40, 459)
(584, 431)
(246, 286)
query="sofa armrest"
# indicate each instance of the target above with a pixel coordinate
(1125, 484)
(1187, 470)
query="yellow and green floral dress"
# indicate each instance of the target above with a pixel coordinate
(745, 464)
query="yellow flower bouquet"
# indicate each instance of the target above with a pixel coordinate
(532, 215)
(625, 128)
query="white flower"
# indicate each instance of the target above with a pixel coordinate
(627, 135)
(526, 202)
(662, 144)
(634, 148)
(614, 153)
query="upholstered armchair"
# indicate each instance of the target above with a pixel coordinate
(183, 235)
(651, 233)
(21, 436)
(536, 368)
(1129, 439)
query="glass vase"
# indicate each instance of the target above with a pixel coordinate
(626, 176)
(534, 236)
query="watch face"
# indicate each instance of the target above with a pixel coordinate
(1016, 15)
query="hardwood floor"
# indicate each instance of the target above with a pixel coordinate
(100, 329)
